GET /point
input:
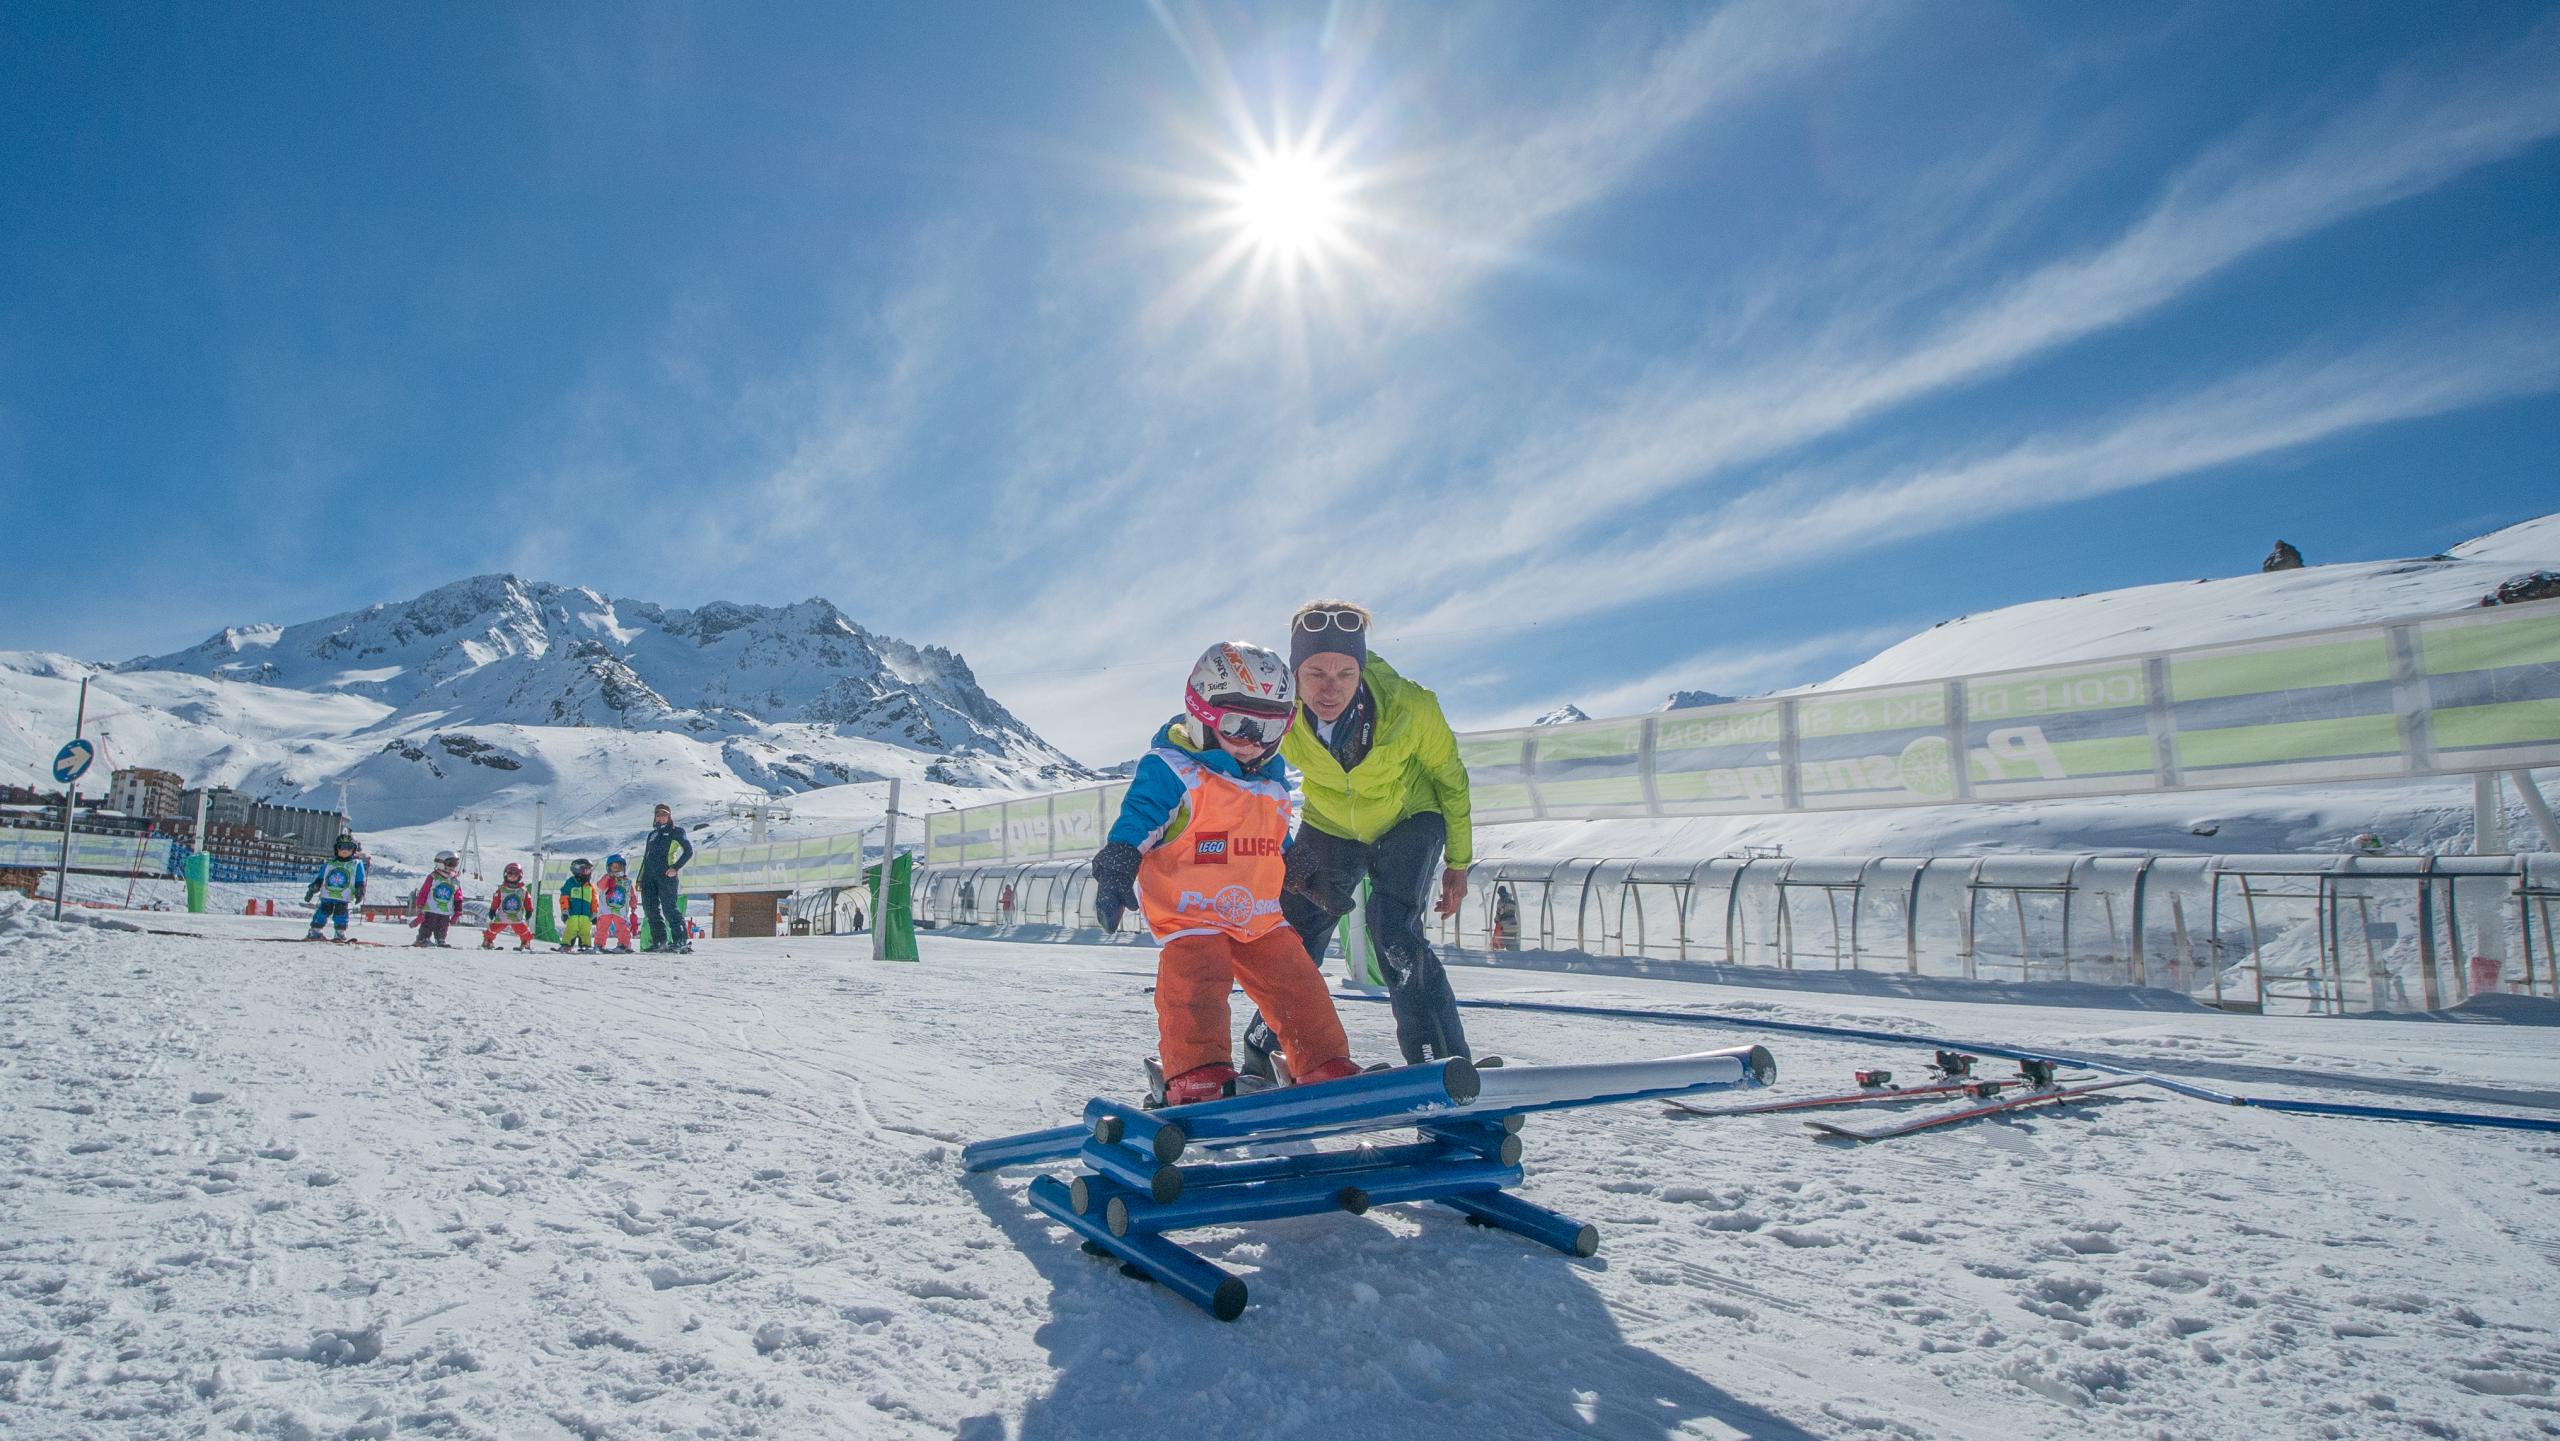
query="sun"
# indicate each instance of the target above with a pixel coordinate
(1290, 205)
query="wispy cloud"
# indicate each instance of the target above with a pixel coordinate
(1487, 200)
(1725, 669)
(2261, 412)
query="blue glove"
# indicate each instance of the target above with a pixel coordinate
(1115, 875)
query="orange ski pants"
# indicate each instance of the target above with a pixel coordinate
(1193, 974)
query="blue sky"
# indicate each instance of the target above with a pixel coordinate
(1633, 348)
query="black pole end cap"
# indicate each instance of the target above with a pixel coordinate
(1228, 1302)
(1459, 1075)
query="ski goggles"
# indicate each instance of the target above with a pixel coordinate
(1245, 726)
(1344, 619)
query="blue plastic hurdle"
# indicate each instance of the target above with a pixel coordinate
(1133, 1187)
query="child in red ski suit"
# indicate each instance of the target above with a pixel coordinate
(1197, 849)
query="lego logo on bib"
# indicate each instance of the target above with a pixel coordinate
(1210, 848)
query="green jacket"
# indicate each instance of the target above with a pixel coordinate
(1412, 767)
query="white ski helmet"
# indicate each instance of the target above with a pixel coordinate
(1241, 691)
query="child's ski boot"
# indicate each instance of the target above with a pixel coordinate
(1211, 1082)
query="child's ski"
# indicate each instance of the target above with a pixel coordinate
(1988, 1107)
(1970, 1086)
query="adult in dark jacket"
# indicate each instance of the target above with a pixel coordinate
(661, 857)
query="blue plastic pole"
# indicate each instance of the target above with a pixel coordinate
(1186, 1275)
(1497, 1208)
(1030, 1148)
(1115, 1121)
(1138, 1170)
(1316, 1163)
(1497, 1138)
(1371, 1102)
(1353, 1191)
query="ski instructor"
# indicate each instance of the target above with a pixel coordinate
(1385, 795)
(661, 856)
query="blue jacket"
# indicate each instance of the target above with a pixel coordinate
(1147, 812)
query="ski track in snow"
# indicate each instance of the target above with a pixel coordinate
(287, 1191)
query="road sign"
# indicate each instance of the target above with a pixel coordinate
(72, 761)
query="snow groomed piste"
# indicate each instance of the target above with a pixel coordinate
(1132, 1190)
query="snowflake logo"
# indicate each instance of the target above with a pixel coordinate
(1233, 905)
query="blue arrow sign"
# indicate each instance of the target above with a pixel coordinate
(72, 761)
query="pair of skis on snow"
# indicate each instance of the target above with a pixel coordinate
(2035, 1085)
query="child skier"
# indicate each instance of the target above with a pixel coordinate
(440, 900)
(1197, 849)
(617, 904)
(510, 909)
(578, 908)
(339, 883)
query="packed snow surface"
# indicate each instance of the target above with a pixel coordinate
(279, 1190)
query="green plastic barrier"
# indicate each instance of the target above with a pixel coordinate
(895, 919)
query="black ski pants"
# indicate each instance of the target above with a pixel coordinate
(1403, 871)
(658, 895)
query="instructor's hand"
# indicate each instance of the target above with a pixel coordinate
(1453, 889)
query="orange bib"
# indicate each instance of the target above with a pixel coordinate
(1217, 868)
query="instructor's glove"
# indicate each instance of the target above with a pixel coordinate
(1115, 876)
(1331, 889)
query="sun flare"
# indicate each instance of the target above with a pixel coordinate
(1290, 206)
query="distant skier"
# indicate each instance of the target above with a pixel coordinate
(2283, 557)
(510, 909)
(617, 907)
(1197, 848)
(1385, 793)
(1506, 918)
(661, 894)
(439, 900)
(339, 884)
(578, 908)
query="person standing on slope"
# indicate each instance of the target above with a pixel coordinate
(339, 884)
(439, 900)
(661, 856)
(1385, 796)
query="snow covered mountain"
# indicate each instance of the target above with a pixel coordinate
(1561, 715)
(497, 650)
(487, 694)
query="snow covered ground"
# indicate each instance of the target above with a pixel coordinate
(276, 1190)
